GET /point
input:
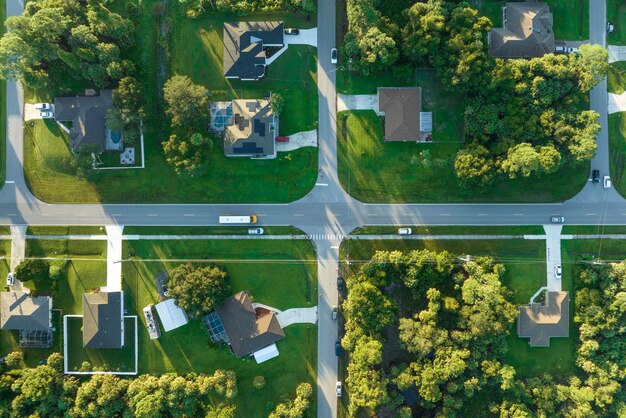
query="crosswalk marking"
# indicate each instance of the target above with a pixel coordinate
(326, 237)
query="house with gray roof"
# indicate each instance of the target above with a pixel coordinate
(245, 328)
(540, 322)
(252, 130)
(244, 47)
(84, 119)
(31, 316)
(401, 108)
(527, 31)
(103, 320)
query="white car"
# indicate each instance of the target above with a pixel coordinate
(607, 182)
(46, 114)
(334, 312)
(43, 106)
(333, 56)
(405, 231)
(255, 231)
(558, 271)
(10, 279)
(338, 389)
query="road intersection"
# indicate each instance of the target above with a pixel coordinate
(327, 213)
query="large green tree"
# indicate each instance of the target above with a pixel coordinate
(197, 289)
(187, 104)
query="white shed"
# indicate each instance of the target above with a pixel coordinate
(171, 315)
(266, 353)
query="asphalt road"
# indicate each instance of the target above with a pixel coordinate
(327, 210)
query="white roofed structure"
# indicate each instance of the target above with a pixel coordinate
(266, 353)
(171, 315)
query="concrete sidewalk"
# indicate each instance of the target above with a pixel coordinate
(18, 245)
(617, 102)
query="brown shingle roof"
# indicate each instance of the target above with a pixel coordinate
(542, 322)
(401, 107)
(527, 31)
(248, 331)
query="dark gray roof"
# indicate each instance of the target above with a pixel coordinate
(527, 31)
(244, 57)
(542, 322)
(248, 330)
(21, 312)
(88, 116)
(103, 320)
(401, 106)
(251, 134)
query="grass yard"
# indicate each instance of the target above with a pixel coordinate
(617, 147)
(525, 274)
(3, 112)
(65, 230)
(571, 17)
(453, 230)
(617, 77)
(374, 171)
(208, 230)
(282, 274)
(9, 341)
(50, 176)
(616, 14)
(594, 229)
(122, 360)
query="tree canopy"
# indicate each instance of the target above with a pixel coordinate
(197, 289)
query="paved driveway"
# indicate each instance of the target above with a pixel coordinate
(305, 37)
(617, 102)
(617, 53)
(357, 102)
(298, 140)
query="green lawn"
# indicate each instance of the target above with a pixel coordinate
(616, 14)
(65, 230)
(617, 77)
(617, 147)
(208, 230)
(9, 341)
(525, 274)
(282, 274)
(571, 17)
(118, 360)
(3, 112)
(374, 171)
(594, 229)
(453, 230)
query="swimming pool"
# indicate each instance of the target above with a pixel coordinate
(116, 137)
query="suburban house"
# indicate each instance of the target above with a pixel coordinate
(252, 129)
(103, 320)
(84, 120)
(527, 31)
(540, 322)
(31, 316)
(245, 46)
(403, 118)
(246, 329)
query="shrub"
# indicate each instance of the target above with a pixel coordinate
(259, 382)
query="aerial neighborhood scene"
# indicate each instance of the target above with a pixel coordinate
(313, 208)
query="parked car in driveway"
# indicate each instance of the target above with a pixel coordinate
(255, 231)
(292, 31)
(333, 56)
(43, 106)
(607, 182)
(282, 139)
(595, 176)
(557, 219)
(46, 114)
(338, 389)
(558, 271)
(10, 279)
(340, 284)
(334, 312)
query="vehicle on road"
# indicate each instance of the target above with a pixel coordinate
(43, 106)
(558, 271)
(46, 114)
(292, 31)
(405, 231)
(238, 219)
(10, 279)
(255, 231)
(334, 312)
(333, 56)
(338, 389)
(557, 219)
(340, 284)
(282, 139)
(607, 182)
(595, 176)
(338, 348)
